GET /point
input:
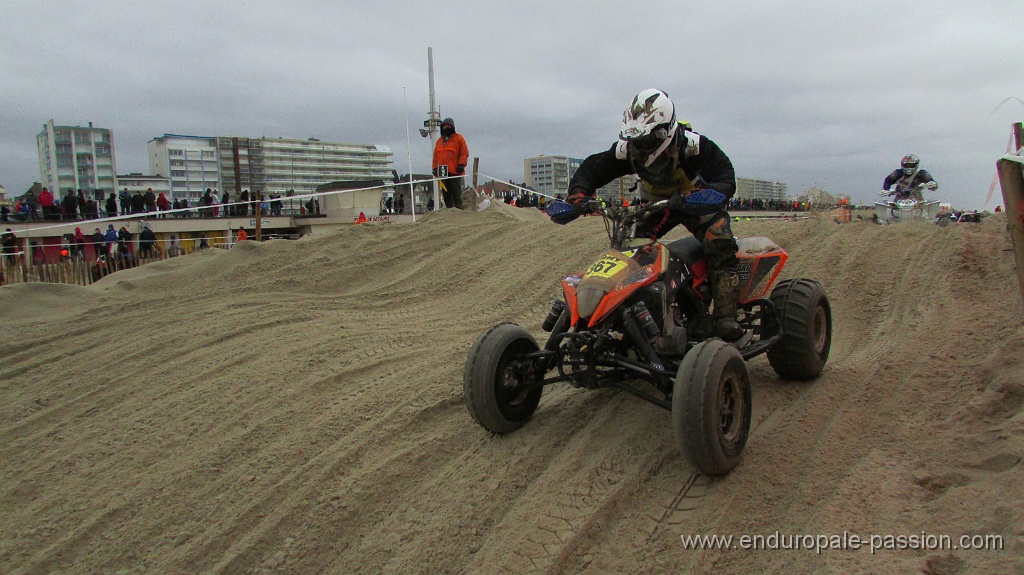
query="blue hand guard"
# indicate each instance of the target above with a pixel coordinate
(562, 212)
(703, 202)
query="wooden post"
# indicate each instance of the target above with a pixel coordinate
(469, 196)
(259, 217)
(1011, 180)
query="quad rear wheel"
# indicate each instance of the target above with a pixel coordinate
(806, 317)
(711, 406)
(495, 375)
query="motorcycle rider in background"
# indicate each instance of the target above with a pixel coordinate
(670, 162)
(904, 182)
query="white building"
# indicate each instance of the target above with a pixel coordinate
(549, 175)
(276, 165)
(76, 158)
(747, 189)
(619, 188)
(189, 163)
(141, 183)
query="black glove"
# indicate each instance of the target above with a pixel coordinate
(577, 197)
(677, 204)
(561, 213)
(460, 169)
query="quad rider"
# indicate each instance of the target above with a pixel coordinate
(671, 162)
(908, 181)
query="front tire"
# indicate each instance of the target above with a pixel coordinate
(494, 375)
(711, 406)
(806, 327)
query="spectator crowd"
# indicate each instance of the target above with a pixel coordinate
(79, 205)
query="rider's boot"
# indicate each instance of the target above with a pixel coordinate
(724, 291)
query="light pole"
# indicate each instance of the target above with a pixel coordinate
(431, 125)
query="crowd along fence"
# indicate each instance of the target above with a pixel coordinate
(79, 270)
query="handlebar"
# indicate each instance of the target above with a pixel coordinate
(919, 187)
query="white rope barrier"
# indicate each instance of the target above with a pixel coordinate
(190, 209)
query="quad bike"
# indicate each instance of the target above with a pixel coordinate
(908, 204)
(638, 320)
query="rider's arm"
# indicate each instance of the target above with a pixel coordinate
(714, 167)
(891, 179)
(923, 177)
(598, 170)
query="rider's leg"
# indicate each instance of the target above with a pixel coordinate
(715, 235)
(720, 248)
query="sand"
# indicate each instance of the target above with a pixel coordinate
(296, 407)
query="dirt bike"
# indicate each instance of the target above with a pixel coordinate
(909, 204)
(638, 319)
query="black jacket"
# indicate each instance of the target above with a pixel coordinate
(698, 157)
(921, 177)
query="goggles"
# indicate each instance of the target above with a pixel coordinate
(647, 148)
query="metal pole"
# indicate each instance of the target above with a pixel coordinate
(434, 120)
(408, 147)
(238, 177)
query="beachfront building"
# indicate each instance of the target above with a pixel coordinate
(747, 189)
(619, 188)
(136, 182)
(280, 165)
(550, 175)
(189, 163)
(76, 158)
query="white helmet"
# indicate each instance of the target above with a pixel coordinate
(649, 126)
(909, 163)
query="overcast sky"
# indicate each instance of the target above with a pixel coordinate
(805, 92)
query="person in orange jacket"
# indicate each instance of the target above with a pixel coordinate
(450, 157)
(242, 236)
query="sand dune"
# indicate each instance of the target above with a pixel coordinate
(296, 407)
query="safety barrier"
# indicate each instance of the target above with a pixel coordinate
(78, 270)
(1011, 179)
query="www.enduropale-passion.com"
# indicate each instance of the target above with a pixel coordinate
(845, 541)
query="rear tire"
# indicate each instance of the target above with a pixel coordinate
(806, 326)
(711, 406)
(493, 375)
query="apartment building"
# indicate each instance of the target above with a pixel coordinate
(549, 175)
(189, 163)
(271, 165)
(276, 165)
(748, 189)
(136, 182)
(76, 158)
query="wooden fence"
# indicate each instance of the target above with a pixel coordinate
(77, 271)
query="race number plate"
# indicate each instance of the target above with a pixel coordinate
(605, 267)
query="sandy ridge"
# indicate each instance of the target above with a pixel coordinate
(296, 407)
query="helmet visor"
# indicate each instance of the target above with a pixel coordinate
(647, 148)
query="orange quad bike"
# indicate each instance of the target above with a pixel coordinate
(639, 319)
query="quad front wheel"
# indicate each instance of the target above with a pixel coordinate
(711, 406)
(806, 329)
(495, 378)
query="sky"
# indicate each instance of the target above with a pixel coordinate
(803, 92)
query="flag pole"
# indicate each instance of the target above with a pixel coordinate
(408, 151)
